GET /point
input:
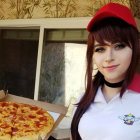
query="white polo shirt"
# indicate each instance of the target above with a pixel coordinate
(119, 119)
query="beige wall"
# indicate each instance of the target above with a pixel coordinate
(135, 7)
(15, 9)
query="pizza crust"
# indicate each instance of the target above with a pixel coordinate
(5, 137)
(29, 137)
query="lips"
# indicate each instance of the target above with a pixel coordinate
(111, 67)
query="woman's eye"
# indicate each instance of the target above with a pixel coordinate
(99, 50)
(120, 46)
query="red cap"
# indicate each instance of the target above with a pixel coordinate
(112, 10)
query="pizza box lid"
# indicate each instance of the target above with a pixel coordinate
(58, 112)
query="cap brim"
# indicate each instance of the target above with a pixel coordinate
(100, 17)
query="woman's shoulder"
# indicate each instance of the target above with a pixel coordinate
(132, 97)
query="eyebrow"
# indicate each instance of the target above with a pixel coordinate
(98, 45)
(101, 45)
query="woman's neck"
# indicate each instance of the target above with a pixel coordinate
(109, 92)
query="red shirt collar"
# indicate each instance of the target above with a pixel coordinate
(135, 84)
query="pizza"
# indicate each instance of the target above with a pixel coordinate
(23, 122)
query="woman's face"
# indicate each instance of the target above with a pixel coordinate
(112, 60)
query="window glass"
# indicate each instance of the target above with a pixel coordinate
(63, 65)
(18, 59)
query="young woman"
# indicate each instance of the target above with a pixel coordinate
(109, 109)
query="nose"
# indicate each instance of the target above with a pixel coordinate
(109, 55)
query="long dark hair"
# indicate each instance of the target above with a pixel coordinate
(112, 30)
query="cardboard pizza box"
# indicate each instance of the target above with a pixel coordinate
(58, 112)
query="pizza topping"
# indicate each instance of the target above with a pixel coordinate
(15, 105)
(12, 121)
(31, 116)
(43, 119)
(29, 131)
(22, 110)
(4, 126)
(13, 113)
(9, 132)
(37, 123)
(21, 118)
(4, 104)
(40, 112)
(26, 125)
(14, 129)
(34, 108)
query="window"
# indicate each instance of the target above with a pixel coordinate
(62, 65)
(18, 59)
(51, 50)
